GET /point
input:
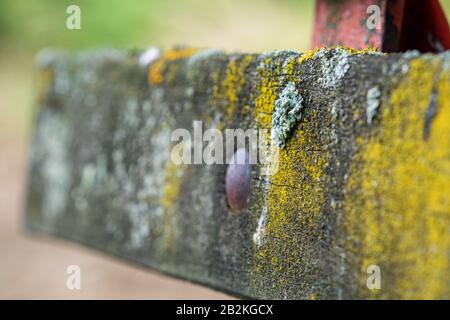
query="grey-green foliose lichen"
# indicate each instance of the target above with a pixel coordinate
(287, 112)
(373, 101)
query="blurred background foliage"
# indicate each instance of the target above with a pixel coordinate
(26, 26)
(246, 24)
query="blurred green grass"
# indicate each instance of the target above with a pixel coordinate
(36, 24)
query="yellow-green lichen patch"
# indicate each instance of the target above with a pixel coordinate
(173, 178)
(311, 54)
(226, 89)
(334, 63)
(265, 100)
(308, 55)
(397, 208)
(294, 201)
(291, 210)
(269, 83)
(157, 68)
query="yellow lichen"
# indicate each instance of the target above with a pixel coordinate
(397, 212)
(264, 102)
(295, 199)
(170, 194)
(226, 91)
(308, 55)
(295, 194)
(289, 65)
(156, 70)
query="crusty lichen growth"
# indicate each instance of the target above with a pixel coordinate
(311, 54)
(334, 65)
(373, 102)
(227, 88)
(292, 209)
(157, 68)
(334, 62)
(287, 112)
(173, 177)
(397, 209)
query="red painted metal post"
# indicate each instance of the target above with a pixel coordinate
(403, 25)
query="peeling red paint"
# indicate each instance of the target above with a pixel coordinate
(404, 25)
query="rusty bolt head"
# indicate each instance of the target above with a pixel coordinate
(237, 180)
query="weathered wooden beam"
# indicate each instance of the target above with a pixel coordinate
(363, 178)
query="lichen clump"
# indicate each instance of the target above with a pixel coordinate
(373, 102)
(334, 62)
(334, 66)
(157, 68)
(287, 113)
